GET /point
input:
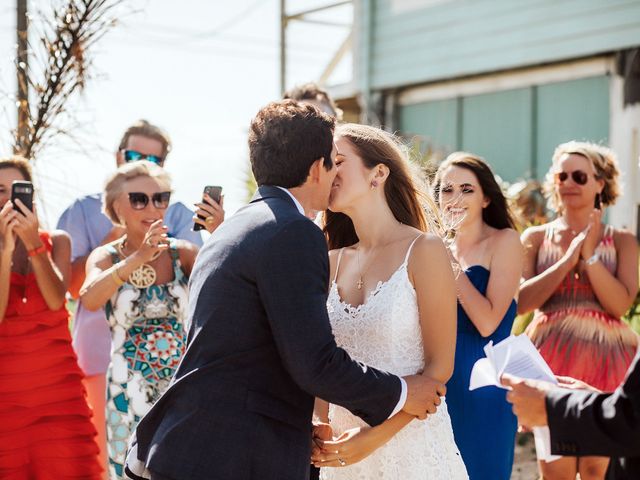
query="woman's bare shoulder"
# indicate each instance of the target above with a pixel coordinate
(622, 236)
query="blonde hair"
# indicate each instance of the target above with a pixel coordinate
(115, 184)
(605, 164)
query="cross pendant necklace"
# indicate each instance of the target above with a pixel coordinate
(360, 282)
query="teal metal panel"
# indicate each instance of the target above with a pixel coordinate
(432, 124)
(575, 110)
(499, 127)
(412, 45)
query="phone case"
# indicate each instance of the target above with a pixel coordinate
(22, 190)
(214, 192)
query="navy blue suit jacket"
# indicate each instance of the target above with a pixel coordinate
(604, 424)
(260, 348)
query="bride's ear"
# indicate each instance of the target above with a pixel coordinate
(380, 174)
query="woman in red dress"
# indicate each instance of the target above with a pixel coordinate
(45, 422)
(581, 276)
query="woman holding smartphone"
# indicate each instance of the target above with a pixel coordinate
(581, 276)
(141, 281)
(45, 422)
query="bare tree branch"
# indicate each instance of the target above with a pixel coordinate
(63, 65)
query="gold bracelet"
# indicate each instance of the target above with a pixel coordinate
(116, 277)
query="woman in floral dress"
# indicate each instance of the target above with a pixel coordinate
(141, 280)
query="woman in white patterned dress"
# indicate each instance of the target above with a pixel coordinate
(392, 305)
(141, 280)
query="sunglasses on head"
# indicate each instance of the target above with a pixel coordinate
(140, 200)
(578, 176)
(134, 155)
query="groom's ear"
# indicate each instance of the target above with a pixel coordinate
(314, 171)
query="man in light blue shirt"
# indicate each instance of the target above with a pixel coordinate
(89, 228)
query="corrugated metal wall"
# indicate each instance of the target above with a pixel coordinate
(416, 42)
(516, 130)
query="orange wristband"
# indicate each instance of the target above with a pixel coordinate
(37, 251)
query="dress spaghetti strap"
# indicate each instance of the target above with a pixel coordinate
(406, 258)
(335, 276)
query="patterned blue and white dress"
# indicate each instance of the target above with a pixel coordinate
(148, 336)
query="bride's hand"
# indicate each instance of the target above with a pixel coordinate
(349, 448)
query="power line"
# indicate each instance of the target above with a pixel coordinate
(216, 52)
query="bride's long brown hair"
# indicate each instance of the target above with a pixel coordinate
(404, 191)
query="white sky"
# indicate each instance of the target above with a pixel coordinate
(199, 68)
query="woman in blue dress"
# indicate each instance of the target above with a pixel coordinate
(487, 256)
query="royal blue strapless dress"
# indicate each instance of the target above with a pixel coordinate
(483, 424)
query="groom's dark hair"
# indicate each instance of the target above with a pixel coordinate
(285, 138)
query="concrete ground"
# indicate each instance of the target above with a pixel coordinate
(525, 466)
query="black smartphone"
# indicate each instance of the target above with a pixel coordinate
(215, 192)
(598, 203)
(22, 190)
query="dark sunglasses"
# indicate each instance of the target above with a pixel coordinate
(133, 156)
(140, 200)
(578, 176)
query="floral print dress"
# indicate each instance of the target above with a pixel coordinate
(148, 336)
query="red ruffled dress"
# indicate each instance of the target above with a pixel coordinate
(45, 422)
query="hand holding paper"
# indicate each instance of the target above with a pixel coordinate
(516, 364)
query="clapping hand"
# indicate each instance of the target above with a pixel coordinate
(573, 253)
(593, 233)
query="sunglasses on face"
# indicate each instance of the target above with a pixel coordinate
(578, 176)
(140, 200)
(134, 155)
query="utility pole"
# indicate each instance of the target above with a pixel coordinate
(283, 46)
(286, 18)
(22, 66)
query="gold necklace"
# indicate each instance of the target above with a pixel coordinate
(359, 282)
(145, 275)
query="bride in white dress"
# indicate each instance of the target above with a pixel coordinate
(392, 305)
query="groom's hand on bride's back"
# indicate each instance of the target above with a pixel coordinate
(423, 395)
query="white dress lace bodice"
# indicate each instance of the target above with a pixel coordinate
(385, 333)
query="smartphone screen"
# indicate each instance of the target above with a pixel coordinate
(22, 190)
(215, 192)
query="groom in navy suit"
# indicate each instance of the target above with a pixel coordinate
(260, 346)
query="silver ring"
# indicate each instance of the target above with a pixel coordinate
(342, 462)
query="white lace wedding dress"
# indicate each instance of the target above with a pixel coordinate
(385, 333)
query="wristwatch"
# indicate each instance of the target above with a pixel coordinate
(592, 259)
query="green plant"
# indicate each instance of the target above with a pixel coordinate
(632, 317)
